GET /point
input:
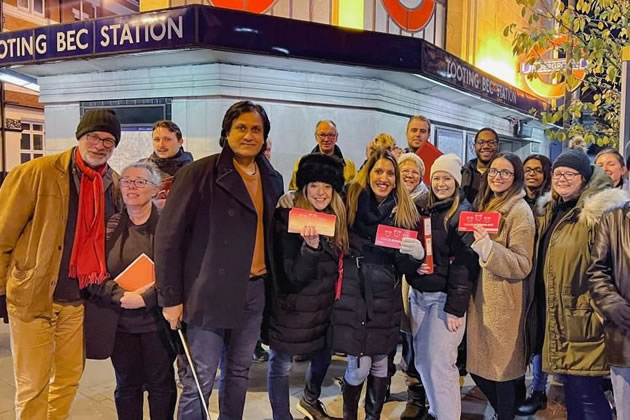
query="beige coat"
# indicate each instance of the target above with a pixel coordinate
(496, 315)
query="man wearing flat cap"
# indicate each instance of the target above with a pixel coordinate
(52, 245)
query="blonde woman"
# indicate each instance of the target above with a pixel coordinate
(366, 319)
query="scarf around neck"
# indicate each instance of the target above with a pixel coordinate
(371, 213)
(87, 261)
(171, 165)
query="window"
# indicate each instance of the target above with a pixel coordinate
(32, 141)
(450, 141)
(33, 6)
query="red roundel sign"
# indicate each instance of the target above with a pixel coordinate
(253, 6)
(412, 20)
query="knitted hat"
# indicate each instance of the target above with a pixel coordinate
(449, 163)
(99, 120)
(576, 160)
(317, 167)
(415, 159)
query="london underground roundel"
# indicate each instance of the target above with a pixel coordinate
(544, 85)
(253, 6)
(412, 20)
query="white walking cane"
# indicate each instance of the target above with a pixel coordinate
(194, 371)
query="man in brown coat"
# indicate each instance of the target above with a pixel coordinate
(52, 244)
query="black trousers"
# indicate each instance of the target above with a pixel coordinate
(503, 396)
(144, 362)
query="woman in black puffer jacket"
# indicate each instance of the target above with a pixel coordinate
(366, 320)
(306, 268)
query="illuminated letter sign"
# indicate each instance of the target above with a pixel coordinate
(412, 20)
(253, 6)
(548, 66)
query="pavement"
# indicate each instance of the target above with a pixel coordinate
(95, 399)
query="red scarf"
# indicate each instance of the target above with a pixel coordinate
(87, 262)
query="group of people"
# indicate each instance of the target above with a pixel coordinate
(546, 288)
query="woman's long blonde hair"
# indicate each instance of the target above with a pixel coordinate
(406, 215)
(337, 208)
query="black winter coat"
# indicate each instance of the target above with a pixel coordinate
(366, 319)
(204, 242)
(298, 314)
(609, 281)
(456, 265)
(471, 180)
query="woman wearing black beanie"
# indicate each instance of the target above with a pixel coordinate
(574, 345)
(305, 271)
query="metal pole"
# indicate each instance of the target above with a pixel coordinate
(3, 138)
(193, 369)
(567, 72)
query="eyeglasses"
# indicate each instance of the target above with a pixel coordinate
(138, 182)
(568, 176)
(503, 173)
(108, 142)
(323, 136)
(486, 142)
(538, 171)
(410, 172)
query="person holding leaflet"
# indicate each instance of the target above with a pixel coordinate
(496, 351)
(305, 272)
(366, 318)
(439, 299)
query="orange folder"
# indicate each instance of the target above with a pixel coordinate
(138, 274)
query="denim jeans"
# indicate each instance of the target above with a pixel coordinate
(278, 380)
(359, 368)
(620, 377)
(435, 349)
(585, 399)
(539, 380)
(233, 348)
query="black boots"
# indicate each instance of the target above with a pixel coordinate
(416, 408)
(351, 396)
(375, 397)
(537, 400)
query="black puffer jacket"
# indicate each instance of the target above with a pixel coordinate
(455, 263)
(297, 319)
(366, 320)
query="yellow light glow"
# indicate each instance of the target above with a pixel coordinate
(350, 13)
(495, 57)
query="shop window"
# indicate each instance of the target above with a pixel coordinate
(470, 146)
(36, 7)
(32, 141)
(450, 141)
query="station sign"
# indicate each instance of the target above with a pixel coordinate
(447, 68)
(145, 31)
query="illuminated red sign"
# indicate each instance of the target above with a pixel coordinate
(253, 6)
(412, 20)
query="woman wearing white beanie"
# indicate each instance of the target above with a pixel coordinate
(439, 300)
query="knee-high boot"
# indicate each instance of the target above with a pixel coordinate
(375, 397)
(351, 396)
